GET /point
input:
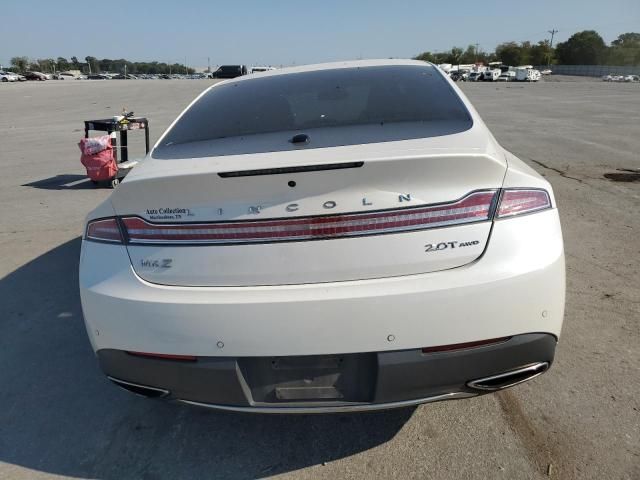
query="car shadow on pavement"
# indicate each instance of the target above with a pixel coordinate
(63, 182)
(59, 415)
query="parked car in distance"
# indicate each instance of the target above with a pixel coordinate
(230, 71)
(65, 76)
(325, 238)
(507, 76)
(9, 77)
(474, 76)
(458, 76)
(97, 76)
(35, 76)
(262, 69)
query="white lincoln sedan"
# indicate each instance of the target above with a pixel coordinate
(326, 238)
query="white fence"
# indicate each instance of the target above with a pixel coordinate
(591, 70)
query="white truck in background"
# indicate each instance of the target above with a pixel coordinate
(527, 73)
(491, 74)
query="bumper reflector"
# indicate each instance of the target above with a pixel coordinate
(462, 346)
(165, 356)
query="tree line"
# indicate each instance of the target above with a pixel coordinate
(95, 65)
(582, 48)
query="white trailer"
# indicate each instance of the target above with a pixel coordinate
(491, 75)
(527, 74)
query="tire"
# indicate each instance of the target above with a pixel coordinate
(5, 79)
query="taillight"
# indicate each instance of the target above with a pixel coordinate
(518, 201)
(104, 230)
(475, 207)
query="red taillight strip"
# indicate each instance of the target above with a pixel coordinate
(474, 207)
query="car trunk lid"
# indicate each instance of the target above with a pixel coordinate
(292, 219)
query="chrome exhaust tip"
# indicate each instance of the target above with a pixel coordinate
(141, 390)
(510, 378)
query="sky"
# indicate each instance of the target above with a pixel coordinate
(274, 32)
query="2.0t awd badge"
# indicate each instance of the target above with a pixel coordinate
(434, 247)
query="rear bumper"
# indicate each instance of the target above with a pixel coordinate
(368, 381)
(516, 287)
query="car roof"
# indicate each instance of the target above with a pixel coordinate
(338, 65)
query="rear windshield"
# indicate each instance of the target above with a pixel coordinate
(305, 101)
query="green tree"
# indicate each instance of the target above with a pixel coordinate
(92, 64)
(105, 65)
(582, 48)
(541, 54)
(469, 55)
(425, 57)
(45, 65)
(625, 50)
(510, 53)
(62, 64)
(525, 53)
(20, 64)
(626, 40)
(455, 56)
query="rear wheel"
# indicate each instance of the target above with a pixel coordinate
(5, 79)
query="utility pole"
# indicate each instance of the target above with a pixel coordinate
(553, 31)
(208, 65)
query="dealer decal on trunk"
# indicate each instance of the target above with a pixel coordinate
(168, 213)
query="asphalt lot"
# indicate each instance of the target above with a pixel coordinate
(59, 417)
